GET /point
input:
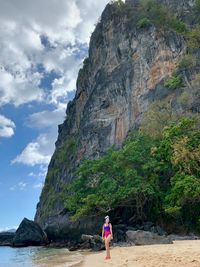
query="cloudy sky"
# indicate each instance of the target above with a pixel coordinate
(42, 46)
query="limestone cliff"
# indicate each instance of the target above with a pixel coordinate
(126, 69)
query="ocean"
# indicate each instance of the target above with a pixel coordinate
(38, 257)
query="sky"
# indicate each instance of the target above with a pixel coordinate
(42, 47)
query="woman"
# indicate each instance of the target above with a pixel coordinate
(107, 235)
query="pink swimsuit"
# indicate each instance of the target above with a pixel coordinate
(107, 231)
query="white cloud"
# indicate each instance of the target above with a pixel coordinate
(38, 186)
(20, 87)
(6, 127)
(48, 34)
(41, 174)
(59, 92)
(90, 13)
(19, 81)
(20, 186)
(37, 152)
(39, 177)
(65, 25)
(46, 118)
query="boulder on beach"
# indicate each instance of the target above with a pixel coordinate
(93, 242)
(146, 238)
(6, 238)
(29, 233)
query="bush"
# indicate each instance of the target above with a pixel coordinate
(159, 115)
(174, 82)
(187, 61)
(184, 197)
(197, 11)
(193, 37)
(155, 12)
(64, 152)
(143, 23)
(186, 98)
(162, 17)
(197, 6)
(196, 80)
(177, 25)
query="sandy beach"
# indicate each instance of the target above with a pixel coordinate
(180, 254)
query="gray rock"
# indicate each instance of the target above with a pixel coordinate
(119, 235)
(87, 238)
(146, 238)
(131, 228)
(59, 228)
(119, 226)
(147, 226)
(6, 238)
(29, 233)
(158, 230)
(93, 242)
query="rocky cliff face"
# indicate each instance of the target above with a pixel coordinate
(123, 74)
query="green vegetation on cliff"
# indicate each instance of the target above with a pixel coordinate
(155, 178)
(174, 82)
(150, 12)
(186, 62)
(50, 196)
(161, 16)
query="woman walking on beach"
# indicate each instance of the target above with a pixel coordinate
(107, 235)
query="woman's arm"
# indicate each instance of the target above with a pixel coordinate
(111, 230)
(103, 232)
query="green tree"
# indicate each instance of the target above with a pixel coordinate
(154, 178)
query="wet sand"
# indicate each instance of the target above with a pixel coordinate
(57, 258)
(180, 254)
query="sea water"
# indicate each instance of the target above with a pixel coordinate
(38, 257)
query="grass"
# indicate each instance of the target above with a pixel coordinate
(144, 23)
(174, 82)
(186, 62)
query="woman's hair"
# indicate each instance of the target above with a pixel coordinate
(107, 217)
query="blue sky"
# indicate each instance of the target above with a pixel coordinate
(42, 46)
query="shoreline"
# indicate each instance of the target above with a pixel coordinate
(180, 253)
(37, 256)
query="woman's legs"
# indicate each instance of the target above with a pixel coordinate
(107, 245)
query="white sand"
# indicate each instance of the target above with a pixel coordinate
(180, 254)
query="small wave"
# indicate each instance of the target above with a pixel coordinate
(38, 257)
